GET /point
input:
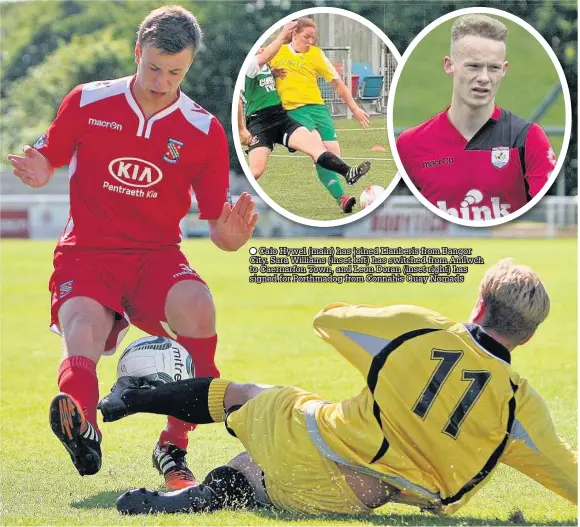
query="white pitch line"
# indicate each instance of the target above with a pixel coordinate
(342, 157)
(338, 130)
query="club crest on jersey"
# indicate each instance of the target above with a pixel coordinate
(41, 141)
(500, 156)
(65, 288)
(173, 150)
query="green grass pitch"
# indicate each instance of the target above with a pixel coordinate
(424, 89)
(290, 179)
(265, 336)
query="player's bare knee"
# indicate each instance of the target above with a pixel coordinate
(83, 337)
(308, 142)
(332, 146)
(316, 154)
(190, 310)
(314, 151)
(85, 325)
(258, 160)
(257, 170)
(81, 309)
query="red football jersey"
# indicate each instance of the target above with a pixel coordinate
(131, 178)
(504, 165)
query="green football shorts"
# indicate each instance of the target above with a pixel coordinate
(316, 117)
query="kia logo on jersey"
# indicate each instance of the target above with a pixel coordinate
(135, 172)
(500, 156)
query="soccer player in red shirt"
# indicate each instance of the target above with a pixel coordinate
(474, 160)
(136, 148)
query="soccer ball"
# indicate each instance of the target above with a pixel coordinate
(157, 359)
(370, 194)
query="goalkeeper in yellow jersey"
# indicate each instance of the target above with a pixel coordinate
(440, 409)
(300, 64)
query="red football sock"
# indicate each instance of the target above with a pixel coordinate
(77, 376)
(202, 351)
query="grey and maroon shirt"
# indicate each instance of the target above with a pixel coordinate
(505, 164)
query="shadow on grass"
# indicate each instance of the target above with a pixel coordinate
(102, 500)
(393, 519)
(106, 500)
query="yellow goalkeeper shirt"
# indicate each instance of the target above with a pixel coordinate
(299, 86)
(441, 408)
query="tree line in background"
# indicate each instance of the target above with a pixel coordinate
(49, 47)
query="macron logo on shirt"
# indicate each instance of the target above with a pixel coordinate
(106, 124)
(437, 162)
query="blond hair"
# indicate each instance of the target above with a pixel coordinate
(515, 300)
(304, 22)
(479, 26)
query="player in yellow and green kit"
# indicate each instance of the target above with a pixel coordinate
(300, 64)
(268, 123)
(440, 409)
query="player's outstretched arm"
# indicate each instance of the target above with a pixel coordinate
(359, 114)
(536, 449)
(269, 52)
(32, 168)
(235, 225)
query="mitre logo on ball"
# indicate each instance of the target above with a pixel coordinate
(158, 360)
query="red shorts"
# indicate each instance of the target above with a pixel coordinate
(133, 285)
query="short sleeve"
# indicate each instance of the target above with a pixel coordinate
(253, 67)
(211, 185)
(58, 143)
(403, 151)
(539, 158)
(324, 67)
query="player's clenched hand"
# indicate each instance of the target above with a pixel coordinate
(32, 168)
(362, 117)
(286, 33)
(279, 73)
(236, 224)
(245, 136)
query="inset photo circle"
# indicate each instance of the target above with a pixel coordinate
(480, 117)
(309, 117)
